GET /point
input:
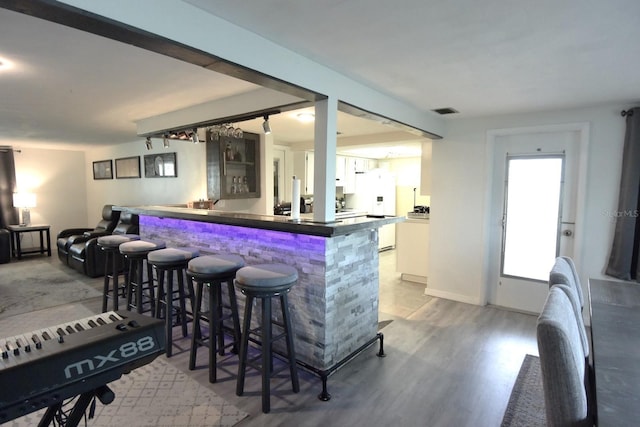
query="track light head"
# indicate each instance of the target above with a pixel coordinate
(194, 136)
(265, 125)
(165, 140)
(148, 143)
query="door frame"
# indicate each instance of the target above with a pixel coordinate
(493, 220)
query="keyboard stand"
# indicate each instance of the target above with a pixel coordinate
(102, 393)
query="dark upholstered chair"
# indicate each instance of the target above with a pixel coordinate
(565, 376)
(5, 246)
(87, 257)
(71, 236)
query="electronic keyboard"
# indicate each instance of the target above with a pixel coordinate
(44, 367)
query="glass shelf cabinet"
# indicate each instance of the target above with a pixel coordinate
(233, 167)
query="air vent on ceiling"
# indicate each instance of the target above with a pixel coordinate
(446, 110)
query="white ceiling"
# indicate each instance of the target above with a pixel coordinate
(481, 58)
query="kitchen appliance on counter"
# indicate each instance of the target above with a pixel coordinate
(284, 208)
(419, 211)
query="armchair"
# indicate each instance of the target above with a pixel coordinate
(71, 236)
(86, 256)
(5, 246)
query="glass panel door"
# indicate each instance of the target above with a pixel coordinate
(531, 220)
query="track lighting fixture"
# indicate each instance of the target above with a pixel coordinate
(194, 136)
(148, 143)
(265, 125)
(165, 140)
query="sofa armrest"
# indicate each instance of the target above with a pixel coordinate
(88, 235)
(71, 231)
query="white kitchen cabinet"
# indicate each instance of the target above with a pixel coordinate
(353, 166)
(412, 250)
(340, 171)
(303, 170)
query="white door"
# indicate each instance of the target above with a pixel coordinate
(535, 180)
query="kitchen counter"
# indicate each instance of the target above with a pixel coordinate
(412, 250)
(334, 304)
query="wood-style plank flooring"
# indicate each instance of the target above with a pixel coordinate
(447, 364)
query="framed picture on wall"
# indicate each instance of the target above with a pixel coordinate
(103, 169)
(128, 167)
(161, 165)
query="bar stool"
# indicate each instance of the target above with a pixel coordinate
(136, 252)
(166, 262)
(113, 262)
(212, 270)
(266, 281)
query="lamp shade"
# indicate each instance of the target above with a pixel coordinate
(24, 200)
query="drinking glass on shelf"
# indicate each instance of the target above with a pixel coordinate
(238, 133)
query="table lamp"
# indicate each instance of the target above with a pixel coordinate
(24, 201)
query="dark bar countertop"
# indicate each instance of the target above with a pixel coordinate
(345, 222)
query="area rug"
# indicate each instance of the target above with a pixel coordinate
(157, 394)
(526, 404)
(34, 284)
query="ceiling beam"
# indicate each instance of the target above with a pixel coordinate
(80, 19)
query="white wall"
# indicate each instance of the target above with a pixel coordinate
(460, 197)
(190, 183)
(407, 172)
(58, 180)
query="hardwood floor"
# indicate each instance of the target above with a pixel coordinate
(447, 364)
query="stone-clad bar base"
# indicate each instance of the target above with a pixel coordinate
(334, 305)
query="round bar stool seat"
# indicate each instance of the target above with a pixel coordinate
(212, 271)
(166, 262)
(113, 263)
(136, 252)
(266, 281)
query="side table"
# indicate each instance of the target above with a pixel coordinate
(17, 250)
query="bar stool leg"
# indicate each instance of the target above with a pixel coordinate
(105, 290)
(215, 330)
(161, 293)
(150, 288)
(140, 287)
(266, 354)
(197, 332)
(234, 316)
(290, 348)
(129, 279)
(114, 273)
(168, 296)
(244, 344)
(182, 302)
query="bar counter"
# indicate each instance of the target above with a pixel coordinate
(334, 305)
(346, 222)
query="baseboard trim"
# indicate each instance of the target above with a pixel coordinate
(413, 278)
(452, 296)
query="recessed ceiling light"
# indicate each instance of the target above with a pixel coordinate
(305, 117)
(5, 64)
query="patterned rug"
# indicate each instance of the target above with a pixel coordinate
(526, 404)
(35, 284)
(157, 394)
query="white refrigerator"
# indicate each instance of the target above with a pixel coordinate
(375, 193)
